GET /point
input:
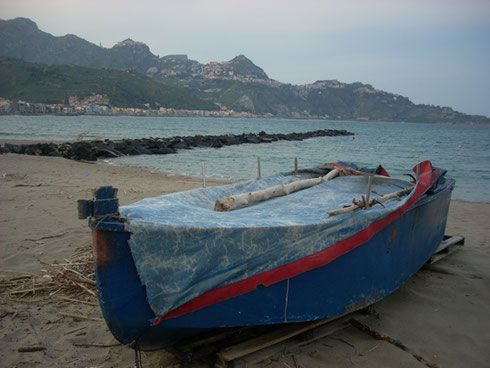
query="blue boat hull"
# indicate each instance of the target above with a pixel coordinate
(353, 281)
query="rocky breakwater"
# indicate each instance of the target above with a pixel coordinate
(92, 150)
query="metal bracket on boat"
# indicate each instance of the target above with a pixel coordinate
(104, 203)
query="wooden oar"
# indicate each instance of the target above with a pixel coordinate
(244, 199)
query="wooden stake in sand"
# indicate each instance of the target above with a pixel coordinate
(203, 174)
(244, 199)
(258, 168)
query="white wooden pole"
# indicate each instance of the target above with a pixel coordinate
(203, 174)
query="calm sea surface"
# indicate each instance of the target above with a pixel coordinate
(464, 151)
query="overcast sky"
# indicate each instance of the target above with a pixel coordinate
(432, 51)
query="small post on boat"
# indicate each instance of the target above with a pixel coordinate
(370, 183)
(258, 168)
(295, 166)
(203, 176)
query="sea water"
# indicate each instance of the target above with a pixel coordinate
(463, 150)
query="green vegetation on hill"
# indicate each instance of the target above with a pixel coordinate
(237, 84)
(254, 97)
(20, 80)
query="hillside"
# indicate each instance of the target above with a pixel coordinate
(237, 84)
(22, 39)
(21, 80)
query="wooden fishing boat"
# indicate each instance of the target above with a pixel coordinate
(171, 266)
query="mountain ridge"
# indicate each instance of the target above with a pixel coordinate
(237, 84)
(22, 39)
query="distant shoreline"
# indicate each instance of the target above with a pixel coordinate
(240, 117)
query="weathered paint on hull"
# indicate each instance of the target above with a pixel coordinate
(353, 281)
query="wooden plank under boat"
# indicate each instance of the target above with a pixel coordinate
(171, 267)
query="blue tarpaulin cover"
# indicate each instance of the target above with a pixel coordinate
(182, 248)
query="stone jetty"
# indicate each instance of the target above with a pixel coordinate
(92, 150)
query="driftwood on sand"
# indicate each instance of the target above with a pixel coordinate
(76, 277)
(30, 349)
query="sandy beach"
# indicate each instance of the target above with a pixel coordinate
(441, 314)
